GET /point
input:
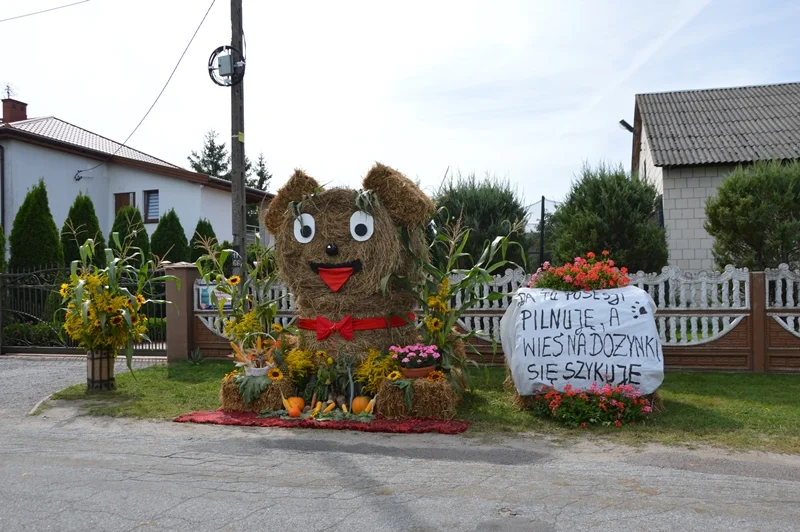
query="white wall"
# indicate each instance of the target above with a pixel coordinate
(647, 168)
(685, 193)
(26, 163)
(215, 205)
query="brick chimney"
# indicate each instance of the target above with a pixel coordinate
(14, 110)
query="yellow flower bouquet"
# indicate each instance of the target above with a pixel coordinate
(104, 306)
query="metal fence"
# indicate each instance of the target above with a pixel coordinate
(32, 316)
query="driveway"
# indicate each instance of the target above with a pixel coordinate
(61, 471)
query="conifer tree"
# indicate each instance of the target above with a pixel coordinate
(169, 239)
(81, 224)
(34, 241)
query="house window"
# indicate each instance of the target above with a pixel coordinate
(151, 206)
(125, 199)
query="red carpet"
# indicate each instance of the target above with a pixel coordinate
(251, 419)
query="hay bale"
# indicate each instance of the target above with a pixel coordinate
(398, 201)
(437, 400)
(231, 400)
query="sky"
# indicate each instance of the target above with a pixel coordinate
(527, 91)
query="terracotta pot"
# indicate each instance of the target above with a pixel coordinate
(100, 370)
(417, 373)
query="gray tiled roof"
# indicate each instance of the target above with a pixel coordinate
(56, 129)
(717, 126)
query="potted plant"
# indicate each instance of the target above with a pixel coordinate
(105, 307)
(416, 361)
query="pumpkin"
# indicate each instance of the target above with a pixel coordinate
(294, 412)
(359, 404)
(296, 401)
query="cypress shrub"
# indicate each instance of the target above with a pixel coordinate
(81, 224)
(34, 239)
(132, 233)
(169, 239)
(755, 217)
(489, 208)
(607, 209)
(202, 232)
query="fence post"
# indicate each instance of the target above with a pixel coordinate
(180, 312)
(2, 303)
(758, 298)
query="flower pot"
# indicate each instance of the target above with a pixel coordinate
(417, 373)
(255, 372)
(100, 370)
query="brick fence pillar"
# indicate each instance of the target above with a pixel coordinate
(180, 312)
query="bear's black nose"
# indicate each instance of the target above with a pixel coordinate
(331, 250)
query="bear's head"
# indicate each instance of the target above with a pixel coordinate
(335, 246)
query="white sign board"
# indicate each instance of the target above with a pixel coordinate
(553, 338)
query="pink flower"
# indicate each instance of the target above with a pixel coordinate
(394, 356)
(545, 265)
(646, 409)
(568, 278)
(405, 361)
(412, 355)
(436, 355)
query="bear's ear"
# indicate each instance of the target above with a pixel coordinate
(406, 202)
(298, 186)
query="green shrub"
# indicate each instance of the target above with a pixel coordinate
(755, 217)
(81, 224)
(203, 232)
(2, 249)
(30, 334)
(488, 207)
(607, 209)
(34, 239)
(169, 239)
(132, 233)
(157, 329)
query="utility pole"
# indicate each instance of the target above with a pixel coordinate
(237, 144)
(541, 236)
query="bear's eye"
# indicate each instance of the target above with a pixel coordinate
(304, 228)
(361, 226)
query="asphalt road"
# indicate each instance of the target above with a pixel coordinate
(60, 471)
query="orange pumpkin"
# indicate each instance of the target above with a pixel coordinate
(359, 404)
(294, 412)
(298, 402)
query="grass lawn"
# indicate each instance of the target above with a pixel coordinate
(741, 411)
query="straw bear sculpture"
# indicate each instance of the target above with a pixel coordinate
(335, 247)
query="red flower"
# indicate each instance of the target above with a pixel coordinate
(618, 423)
(606, 253)
(590, 255)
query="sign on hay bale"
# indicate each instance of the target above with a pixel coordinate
(553, 338)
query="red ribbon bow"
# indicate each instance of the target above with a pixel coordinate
(326, 327)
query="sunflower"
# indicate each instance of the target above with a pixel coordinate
(277, 328)
(329, 361)
(321, 354)
(140, 299)
(235, 280)
(63, 290)
(116, 320)
(135, 319)
(275, 374)
(110, 309)
(435, 376)
(230, 375)
(433, 302)
(433, 324)
(394, 376)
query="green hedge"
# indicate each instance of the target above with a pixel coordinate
(30, 334)
(34, 239)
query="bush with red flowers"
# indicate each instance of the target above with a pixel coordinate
(605, 406)
(583, 274)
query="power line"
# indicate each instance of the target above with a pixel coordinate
(44, 11)
(77, 174)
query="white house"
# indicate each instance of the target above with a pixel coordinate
(686, 142)
(73, 160)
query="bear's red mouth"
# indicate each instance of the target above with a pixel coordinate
(335, 275)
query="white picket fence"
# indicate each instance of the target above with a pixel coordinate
(694, 308)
